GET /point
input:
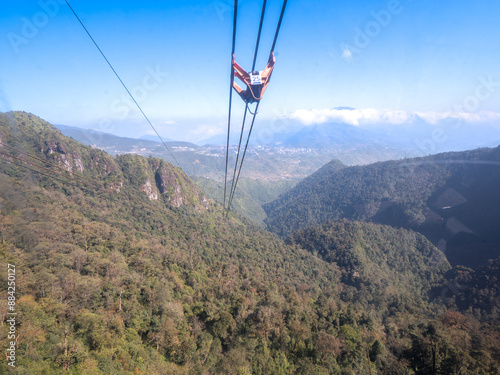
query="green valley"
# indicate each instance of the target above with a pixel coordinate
(124, 266)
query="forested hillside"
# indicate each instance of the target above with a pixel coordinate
(452, 198)
(131, 270)
(379, 262)
(475, 291)
(249, 197)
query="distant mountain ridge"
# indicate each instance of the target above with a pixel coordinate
(264, 163)
(334, 135)
(124, 268)
(158, 180)
(452, 198)
(103, 140)
(416, 134)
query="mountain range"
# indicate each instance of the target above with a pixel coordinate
(115, 144)
(358, 140)
(124, 266)
(452, 198)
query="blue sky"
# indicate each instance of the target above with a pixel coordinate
(388, 59)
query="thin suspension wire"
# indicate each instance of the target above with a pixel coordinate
(235, 17)
(237, 155)
(48, 163)
(31, 169)
(123, 84)
(233, 190)
(4, 154)
(246, 107)
(77, 177)
(236, 178)
(259, 34)
(254, 112)
(44, 168)
(279, 25)
(90, 183)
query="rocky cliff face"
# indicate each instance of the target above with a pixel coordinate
(70, 162)
(178, 187)
(27, 135)
(159, 180)
(150, 190)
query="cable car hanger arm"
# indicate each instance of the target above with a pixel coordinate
(255, 82)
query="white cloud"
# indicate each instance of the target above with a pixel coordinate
(367, 116)
(208, 130)
(189, 132)
(351, 116)
(204, 131)
(435, 117)
(470, 117)
(347, 55)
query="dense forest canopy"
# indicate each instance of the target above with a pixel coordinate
(451, 198)
(125, 267)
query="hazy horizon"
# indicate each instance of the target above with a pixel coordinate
(389, 61)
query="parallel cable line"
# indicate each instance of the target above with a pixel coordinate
(237, 156)
(123, 84)
(257, 43)
(244, 153)
(46, 169)
(78, 181)
(97, 185)
(235, 17)
(259, 34)
(48, 163)
(51, 174)
(279, 25)
(48, 172)
(31, 169)
(236, 178)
